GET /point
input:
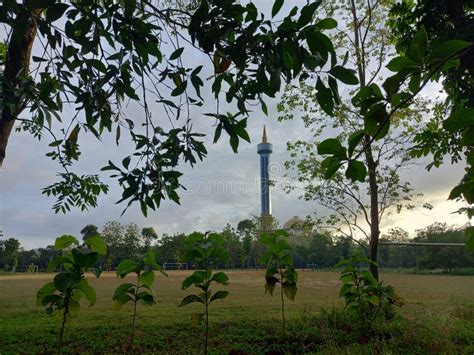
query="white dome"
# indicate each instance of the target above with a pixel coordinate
(293, 223)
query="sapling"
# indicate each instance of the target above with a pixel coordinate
(205, 251)
(363, 293)
(70, 285)
(279, 262)
(141, 291)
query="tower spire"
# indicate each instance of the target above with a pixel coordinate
(265, 149)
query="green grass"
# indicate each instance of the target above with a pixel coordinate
(438, 318)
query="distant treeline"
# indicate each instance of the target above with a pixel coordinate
(320, 248)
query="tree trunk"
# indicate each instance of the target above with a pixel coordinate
(16, 69)
(369, 158)
(374, 208)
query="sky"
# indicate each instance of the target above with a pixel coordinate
(224, 188)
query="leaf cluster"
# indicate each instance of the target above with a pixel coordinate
(204, 250)
(279, 262)
(144, 269)
(423, 62)
(70, 286)
(362, 293)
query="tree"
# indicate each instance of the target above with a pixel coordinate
(448, 27)
(95, 57)
(170, 248)
(233, 246)
(131, 242)
(9, 250)
(149, 236)
(445, 257)
(113, 234)
(89, 231)
(247, 229)
(355, 202)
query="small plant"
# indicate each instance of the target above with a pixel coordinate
(363, 294)
(70, 286)
(140, 291)
(205, 251)
(279, 262)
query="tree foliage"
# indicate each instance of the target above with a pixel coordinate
(446, 32)
(96, 58)
(70, 285)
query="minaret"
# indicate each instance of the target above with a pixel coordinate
(264, 149)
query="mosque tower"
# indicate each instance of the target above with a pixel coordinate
(264, 149)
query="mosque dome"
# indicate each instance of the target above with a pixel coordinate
(294, 223)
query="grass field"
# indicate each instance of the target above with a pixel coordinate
(438, 317)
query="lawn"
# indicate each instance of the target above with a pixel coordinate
(438, 316)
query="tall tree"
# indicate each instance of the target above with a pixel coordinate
(9, 250)
(356, 202)
(149, 236)
(113, 234)
(89, 231)
(96, 57)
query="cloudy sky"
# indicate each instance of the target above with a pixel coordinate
(222, 189)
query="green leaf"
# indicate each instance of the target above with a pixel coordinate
(373, 299)
(179, 89)
(415, 81)
(146, 298)
(377, 122)
(220, 278)
(459, 119)
(330, 166)
(74, 306)
(97, 244)
(270, 283)
(356, 171)
(327, 24)
(58, 261)
(324, 97)
(354, 140)
(196, 278)
(177, 53)
(345, 75)
(445, 49)
(419, 45)
(121, 299)
(44, 291)
(219, 295)
(400, 63)
(89, 292)
(123, 289)
(127, 266)
(147, 278)
(84, 258)
(65, 241)
(276, 7)
(56, 11)
(63, 281)
(331, 146)
(289, 288)
(190, 299)
(307, 13)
